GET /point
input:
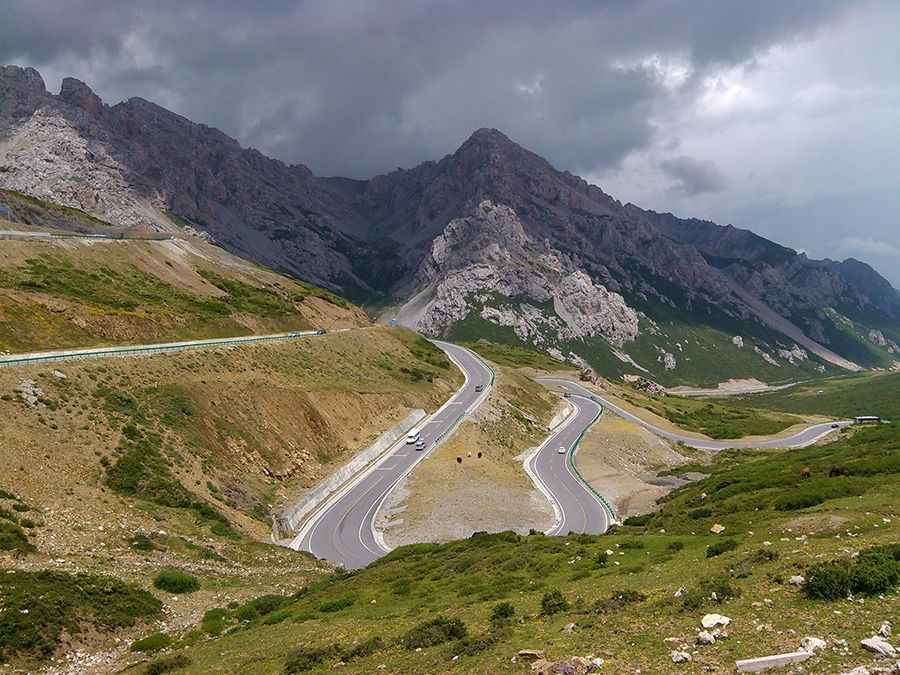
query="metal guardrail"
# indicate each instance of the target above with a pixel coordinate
(148, 349)
(570, 460)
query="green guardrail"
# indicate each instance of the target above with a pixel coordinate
(570, 460)
(150, 349)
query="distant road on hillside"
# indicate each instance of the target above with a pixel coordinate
(801, 439)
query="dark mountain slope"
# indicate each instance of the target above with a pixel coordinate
(137, 164)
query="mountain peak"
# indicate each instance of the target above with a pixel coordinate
(77, 93)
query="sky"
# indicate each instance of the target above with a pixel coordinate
(780, 116)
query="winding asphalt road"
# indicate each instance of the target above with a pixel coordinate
(578, 509)
(342, 529)
(801, 439)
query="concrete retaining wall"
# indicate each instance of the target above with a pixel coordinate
(290, 519)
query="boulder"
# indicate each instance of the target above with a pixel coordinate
(680, 656)
(812, 644)
(885, 629)
(880, 646)
(717, 528)
(704, 637)
(797, 580)
(713, 620)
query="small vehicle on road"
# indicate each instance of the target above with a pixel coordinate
(479, 387)
(321, 331)
(835, 426)
(420, 444)
(562, 450)
(412, 435)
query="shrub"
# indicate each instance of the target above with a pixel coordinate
(617, 601)
(175, 581)
(714, 589)
(151, 643)
(720, 547)
(337, 604)
(264, 604)
(141, 542)
(214, 620)
(638, 521)
(631, 544)
(553, 602)
(874, 574)
(13, 538)
(168, 664)
(434, 632)
(363, 649)
(601, 559)
(675, 546)
(828, 581)
(502, 614)
(307, 658)
(702, 512)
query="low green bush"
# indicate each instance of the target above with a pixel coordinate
(151, 643)
(638, 521)
(702, 512)
(601, 559)
(711, 590)
(176, 581)
(720, 547)
(553, 602)
(675, 546)
(13, 538)
(214, 620)
(364, 649)
(617, 601)
(337, 604)
(434, 632)
(306, 658)
(168, 664)
(141, 542)
(828, 581)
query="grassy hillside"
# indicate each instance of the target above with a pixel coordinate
(849, 396)
(126, 467)
(78, 293)
(469, 606)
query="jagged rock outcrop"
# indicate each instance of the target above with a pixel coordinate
(486, 263)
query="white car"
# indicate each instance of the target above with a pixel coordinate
(562, 450)
(420, 444)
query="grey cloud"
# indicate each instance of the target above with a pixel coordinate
(693, 176)
(358, 88)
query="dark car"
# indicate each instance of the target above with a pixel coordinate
(479, 387)
(321, 331)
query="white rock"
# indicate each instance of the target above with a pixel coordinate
(797, 580)
(681, 591)
(812, 644)
(713, 620)
(885, 630)
(880, 646)
(717, 528)
(705, 638)
(859, 670)
(680, 657)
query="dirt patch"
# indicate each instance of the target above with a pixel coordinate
(817, 523)
(446, 499)
(620, 460)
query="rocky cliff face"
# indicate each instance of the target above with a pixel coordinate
(491, 231)
(486, 262)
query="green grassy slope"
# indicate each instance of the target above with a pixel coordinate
(848, 396)
(422, 605)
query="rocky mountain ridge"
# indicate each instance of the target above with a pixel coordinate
(490, 233)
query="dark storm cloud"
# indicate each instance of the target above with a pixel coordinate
(693, 176)
(358, 87)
